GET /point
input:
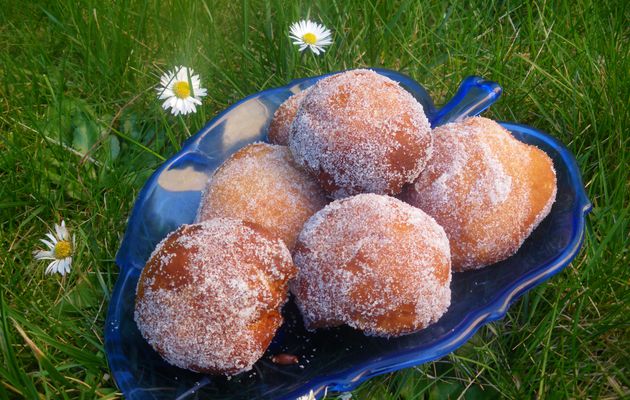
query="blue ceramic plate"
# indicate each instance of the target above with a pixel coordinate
(341, 358)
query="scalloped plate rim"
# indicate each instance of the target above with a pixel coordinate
(497, 309)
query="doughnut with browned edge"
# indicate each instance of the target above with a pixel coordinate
(284, 116)
(488, 190)
(260, 183)
(358, 132)
(372, 262)
(210, 296)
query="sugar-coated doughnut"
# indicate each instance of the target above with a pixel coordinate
(358, 132)
(210, 296)
(372, 262)
(488, 190)
(284, 116)
(261, 183)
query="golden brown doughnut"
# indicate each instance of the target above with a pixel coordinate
(210, 296)
(372, 262)
(260, 183)
(284, 117)
(488, 190)
(359, 131)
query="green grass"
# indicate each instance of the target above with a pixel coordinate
(81, 130)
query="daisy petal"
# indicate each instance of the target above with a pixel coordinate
(59, 232)
(169, 103)
(64, 267)
(166, 93)
(43, 255)
(47, 243)
(52, 267)
(52, 238)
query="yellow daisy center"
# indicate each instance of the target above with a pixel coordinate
(309, 38)
(63, 249)
(181, 89)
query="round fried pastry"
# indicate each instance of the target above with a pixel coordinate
(358, 132)
(284, 116)
(210, 296)
(372, 262)
(260, 183)
(488, 190)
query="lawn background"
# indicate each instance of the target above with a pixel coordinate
(81, 130)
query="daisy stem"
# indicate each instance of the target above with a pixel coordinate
(185, 126)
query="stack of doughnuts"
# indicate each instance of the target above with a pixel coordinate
(358, 208)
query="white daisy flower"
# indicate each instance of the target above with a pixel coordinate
(309, 396)
(60, 248)
(182, 90)
(308, 34)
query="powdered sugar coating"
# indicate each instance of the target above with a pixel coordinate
(359, 131)
(209, 298)
(260, 183)
(488, 190)
(374, 263)
(284, 116)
